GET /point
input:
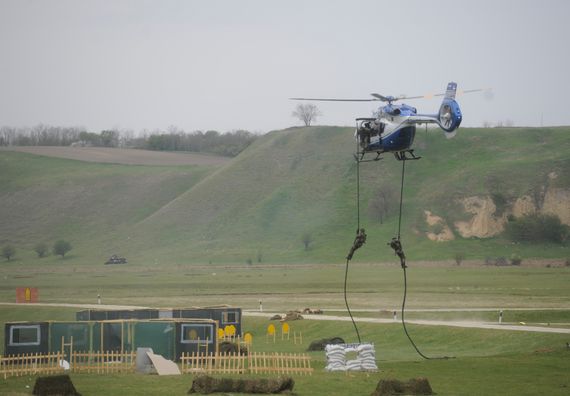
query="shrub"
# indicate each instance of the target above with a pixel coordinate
(537, 228)
(61, 247)
(41, 249)
(516, 259)
(501, 261)
(459, 257)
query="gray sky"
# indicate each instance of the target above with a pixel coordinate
(226, 65)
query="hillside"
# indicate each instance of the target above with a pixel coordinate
(258, 206)
(45, 199)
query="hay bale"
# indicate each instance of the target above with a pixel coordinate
(414, 386)
(206, 385)
(228, 347)
(60, 385)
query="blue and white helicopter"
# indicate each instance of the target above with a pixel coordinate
(393, 128)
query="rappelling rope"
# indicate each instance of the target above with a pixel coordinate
(401, 196)
(346, 302)
(397, 246)
(357, 243)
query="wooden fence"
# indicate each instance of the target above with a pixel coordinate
(252, 363)
(103, 362)
(80, 362)
(117, 362)
(30, 364)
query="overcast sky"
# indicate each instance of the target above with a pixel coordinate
(226, 65)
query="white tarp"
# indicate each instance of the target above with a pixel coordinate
(163, 366)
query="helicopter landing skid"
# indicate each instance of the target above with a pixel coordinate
(360, 157)
(403, 155)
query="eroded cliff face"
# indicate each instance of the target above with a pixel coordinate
(443, 232)
(557, 202)
(485, 222)
(524, 206)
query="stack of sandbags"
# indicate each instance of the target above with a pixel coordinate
(336, 357)
(365, 360)
(367, 357)
(354, 365)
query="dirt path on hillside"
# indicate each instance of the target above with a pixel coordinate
(121, 156)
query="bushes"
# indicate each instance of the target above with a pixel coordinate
(61, 247)
(41, 249)
(537, 228)
(459, 257)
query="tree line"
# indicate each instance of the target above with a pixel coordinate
(227, 144)
(59, 248)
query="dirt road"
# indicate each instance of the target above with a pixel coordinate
(122, 156)
(467, 324)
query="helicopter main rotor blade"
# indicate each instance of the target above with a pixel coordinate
(429, 96)
(380, 97)
(336, 100)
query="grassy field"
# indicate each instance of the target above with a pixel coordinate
(494, 362)
(370, 286)
(484, 361)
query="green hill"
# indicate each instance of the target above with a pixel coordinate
(290, 183)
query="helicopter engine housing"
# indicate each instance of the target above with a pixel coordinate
(449, 116)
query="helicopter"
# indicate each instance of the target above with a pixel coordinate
(393, 127)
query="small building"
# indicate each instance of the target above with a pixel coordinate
(224, 315)
(167, 337)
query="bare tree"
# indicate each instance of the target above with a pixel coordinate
(8, 252)
(307, 239)
(306, 112)
(382, 202)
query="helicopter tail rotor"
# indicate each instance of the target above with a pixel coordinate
(449, 116)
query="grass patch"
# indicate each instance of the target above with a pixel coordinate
(487, 361)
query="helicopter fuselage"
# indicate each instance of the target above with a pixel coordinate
(393, 128)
